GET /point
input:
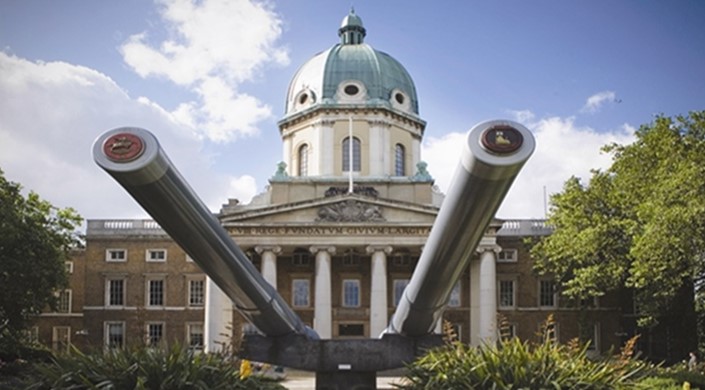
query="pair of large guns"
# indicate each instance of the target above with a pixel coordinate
(492, 156)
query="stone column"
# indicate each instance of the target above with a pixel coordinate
(483, 309)
(323, 308)
(269, 262)
(217, 330)
(475, 303)
(378, 294)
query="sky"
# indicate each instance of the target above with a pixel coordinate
(209, 79)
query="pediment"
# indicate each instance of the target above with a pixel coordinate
(347, 208)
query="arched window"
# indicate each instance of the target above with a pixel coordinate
(355, 154)
(399, 160)
(303, 160)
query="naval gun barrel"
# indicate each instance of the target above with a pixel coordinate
(134, 158)
(492, 156)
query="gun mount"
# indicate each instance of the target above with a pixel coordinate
(494, 153)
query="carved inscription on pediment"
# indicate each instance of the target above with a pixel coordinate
(350, 211)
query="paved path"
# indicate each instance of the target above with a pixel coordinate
(299, 380)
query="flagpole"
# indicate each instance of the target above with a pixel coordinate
(350, 155)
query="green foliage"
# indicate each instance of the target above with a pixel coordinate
(146, 368)
(680, 373)
(35, 238)
(658, 383)
(640, 224)
(514, 364)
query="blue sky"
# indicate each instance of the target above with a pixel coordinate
(210, 77)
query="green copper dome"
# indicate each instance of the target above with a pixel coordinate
(352, 73)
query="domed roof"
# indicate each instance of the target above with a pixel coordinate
(352, 73)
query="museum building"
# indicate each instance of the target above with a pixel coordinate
(337, 231)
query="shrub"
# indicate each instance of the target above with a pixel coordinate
(516, 364)
(146, 368)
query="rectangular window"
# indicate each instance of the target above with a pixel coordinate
(301, 292)
(507, 256)
(351, 330)
(155, 333)
(196, 292)
(61, 338)
(549, 331)
(351, 259)
(454, 300)
(401, 260)
(547, 293)
(301, 259)
(351, 293)
(115, 292)
(155, 295)
(69, 267)
(31, 335)
(114, 334)
(399, 285)
(591, 334)
(64, 302)
(506, 293)
(156, 255)
(195, 336)
(115, 255)
(508, 331)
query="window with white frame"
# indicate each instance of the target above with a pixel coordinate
(455, 293)
(507, 256)
(398, 286)
(547, 293)
(300, 292)
(355, 154)
(506, 293)
(115, 292)
(155, 333)
(155, 292)
(303, 160)
(196, 292)
(61, 338)
(31, 335)
(550, 331)
(158, 255)
(116, 255)
(351, 293)
(69, 267)
(399, 160)
(115, 334)
(194, 334)
(63, 304)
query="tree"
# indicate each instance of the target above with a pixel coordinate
(639, 224)
(35, 238)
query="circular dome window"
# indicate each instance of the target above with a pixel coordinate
(303, 98)
(399, 98)
(351, 90)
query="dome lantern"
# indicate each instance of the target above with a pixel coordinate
(351, 31)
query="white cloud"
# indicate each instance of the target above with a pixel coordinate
(596, 101)
(50, 116)
(214, 46)
(563, 149)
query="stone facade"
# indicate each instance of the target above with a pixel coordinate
(90, 313)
